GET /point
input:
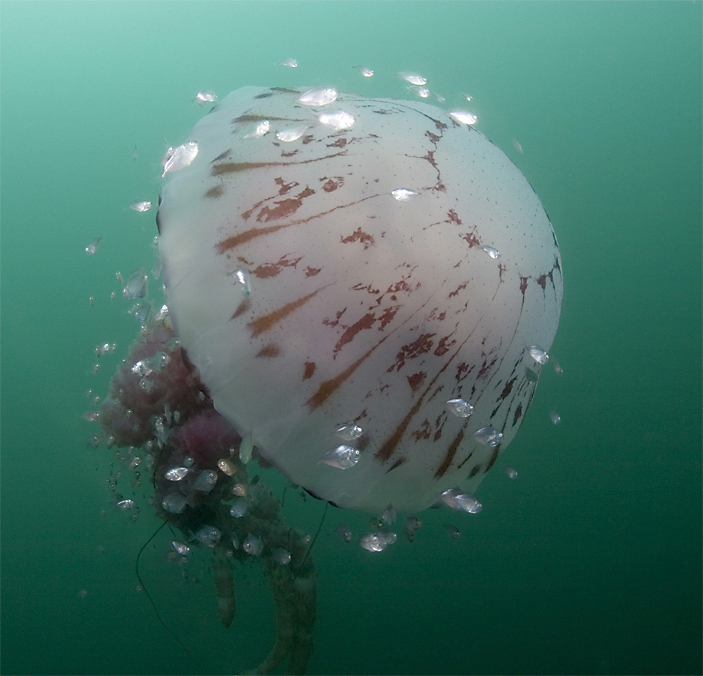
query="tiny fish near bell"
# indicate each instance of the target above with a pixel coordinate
(205, 96)
(342, 457)
(141, 207)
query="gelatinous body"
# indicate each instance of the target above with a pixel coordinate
(360, 308)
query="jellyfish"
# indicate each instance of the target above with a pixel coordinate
(368, 271)
(364, 291)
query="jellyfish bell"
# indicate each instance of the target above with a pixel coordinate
(359, 309)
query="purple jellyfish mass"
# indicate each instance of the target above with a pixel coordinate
(168, 423)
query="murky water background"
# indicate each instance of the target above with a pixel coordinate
(589, 561)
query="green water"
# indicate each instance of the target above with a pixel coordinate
(590, 561)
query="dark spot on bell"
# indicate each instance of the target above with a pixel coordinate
(494, 457)
(397, 464)
(222, 156)
(309, 370)
(517, 415)
(243, 307)
(215, 192)
(269, 351)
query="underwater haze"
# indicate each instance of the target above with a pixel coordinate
(587, 562)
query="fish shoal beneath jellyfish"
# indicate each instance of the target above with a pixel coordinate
(356, 264)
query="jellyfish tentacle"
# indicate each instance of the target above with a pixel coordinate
(224, 585)
(293, 585)
(296, 608)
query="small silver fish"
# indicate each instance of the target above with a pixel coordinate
(141, 207)
(205, 96)
(93, 246)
